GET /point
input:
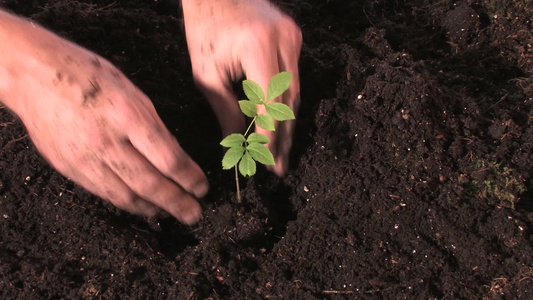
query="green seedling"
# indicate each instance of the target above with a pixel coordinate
(248, 148)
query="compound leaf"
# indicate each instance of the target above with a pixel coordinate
(260, 153)
(265, 122)
(280, 111)
(232, 157)
(233, 140)
(257, 138)
(278, 84)
(253, 91)
(248, 108)
(247, 165)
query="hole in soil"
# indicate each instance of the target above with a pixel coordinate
(280, 213)
(174, 238)
(164, 234)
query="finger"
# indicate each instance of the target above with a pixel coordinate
(151, 138)
(163, 151)
(260, 58)
(98, 179)
(260, 63)
(216, 87)
(290, 44)
(151, 185)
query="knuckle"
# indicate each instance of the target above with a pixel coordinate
(120, 199)
(123, 200)
(261, 34)
(289, 27)
(149, 186)
(147, 210)
(178, 163)
(127, 111)
(72, 158)
(205, 75)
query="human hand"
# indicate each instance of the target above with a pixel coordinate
(227, 38)
(95, 127)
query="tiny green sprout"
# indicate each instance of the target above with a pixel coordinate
(247, 149)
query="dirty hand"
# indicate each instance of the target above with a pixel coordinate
(227, 38)
(93, 125)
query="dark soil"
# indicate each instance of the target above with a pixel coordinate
(411, 173)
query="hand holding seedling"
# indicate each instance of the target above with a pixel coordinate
(245, 149)
(227, 38)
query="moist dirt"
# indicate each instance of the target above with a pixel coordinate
(410, 178)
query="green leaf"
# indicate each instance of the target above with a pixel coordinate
(260, 153)
(247, 165)
(280, 111)
(265, 122)
(248, 108)
(232, 157)
(253, 91)
(233, 140)
(278, 84)
(257, 138)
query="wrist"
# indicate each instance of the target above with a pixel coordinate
(29, 61)
(9, 55)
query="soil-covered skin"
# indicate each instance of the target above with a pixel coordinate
(410, 175)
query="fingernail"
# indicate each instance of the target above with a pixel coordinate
(281, 167)
(201, 189)
(191, 216)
